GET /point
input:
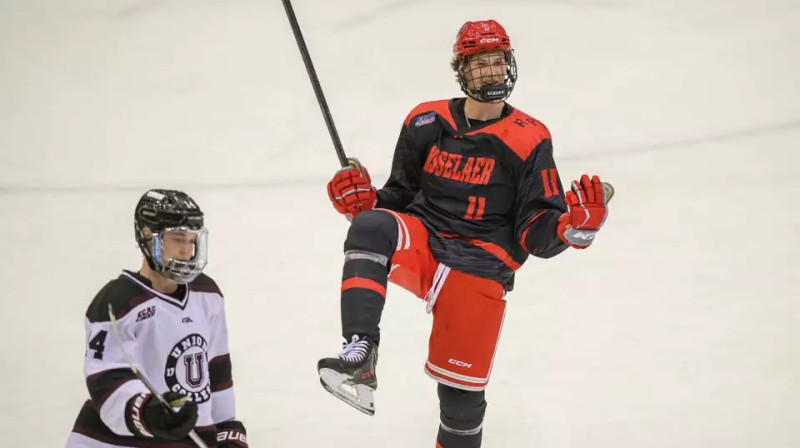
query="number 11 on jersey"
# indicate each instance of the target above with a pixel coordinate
(475, 208)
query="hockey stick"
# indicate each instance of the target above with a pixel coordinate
(312, 74)
(192, 435)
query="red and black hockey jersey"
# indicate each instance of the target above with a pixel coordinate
(489, 192)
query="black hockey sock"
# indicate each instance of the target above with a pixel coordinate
(370, 244)
(363, 297)
(461, 417)
(449, 440)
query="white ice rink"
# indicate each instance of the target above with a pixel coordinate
(691, 108)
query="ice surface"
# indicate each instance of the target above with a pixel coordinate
(680, 328)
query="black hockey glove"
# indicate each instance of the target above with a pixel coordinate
(231, 434)
(147, 417)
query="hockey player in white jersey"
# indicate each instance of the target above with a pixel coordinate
(170, 319)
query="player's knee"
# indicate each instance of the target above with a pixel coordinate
(373, 231)
(462, 411)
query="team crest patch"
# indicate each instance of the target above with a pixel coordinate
(425, 119)
(186, 371)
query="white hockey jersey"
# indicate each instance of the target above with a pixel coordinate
(179, 342)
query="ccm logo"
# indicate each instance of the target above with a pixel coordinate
(460, 363)
(489, 40)
(584, 236)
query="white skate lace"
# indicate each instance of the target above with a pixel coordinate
(355, 351)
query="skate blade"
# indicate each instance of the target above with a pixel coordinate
(358, 396)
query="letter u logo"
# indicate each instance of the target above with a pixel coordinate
(194, 369)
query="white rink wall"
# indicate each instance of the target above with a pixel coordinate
(679, 328)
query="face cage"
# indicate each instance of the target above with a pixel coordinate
(181, 271)
(490, 93)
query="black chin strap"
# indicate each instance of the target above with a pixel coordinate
(490, 93)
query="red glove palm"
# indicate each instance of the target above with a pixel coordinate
(351, 190)
(586, 212)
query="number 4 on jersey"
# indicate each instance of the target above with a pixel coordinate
(98, 344)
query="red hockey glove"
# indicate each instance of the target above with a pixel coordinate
(351, 190)
(586, 212)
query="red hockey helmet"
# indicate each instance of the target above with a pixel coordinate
(484, 36)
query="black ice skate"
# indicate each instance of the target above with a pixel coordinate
(350, 376)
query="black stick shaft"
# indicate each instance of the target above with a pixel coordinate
(312, 74)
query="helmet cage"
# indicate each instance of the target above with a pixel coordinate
(487, 92)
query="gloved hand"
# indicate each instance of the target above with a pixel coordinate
(147, 417)
(351, 190)
(231, 434)
(586, 212)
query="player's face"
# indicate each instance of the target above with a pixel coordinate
(486, 68)
(178, 244)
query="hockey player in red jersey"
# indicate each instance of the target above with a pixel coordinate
(473, 191)
(171, 321)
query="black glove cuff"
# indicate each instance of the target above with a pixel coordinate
(134, 415)
(231, 434)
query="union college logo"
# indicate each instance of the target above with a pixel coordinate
(186, 372)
